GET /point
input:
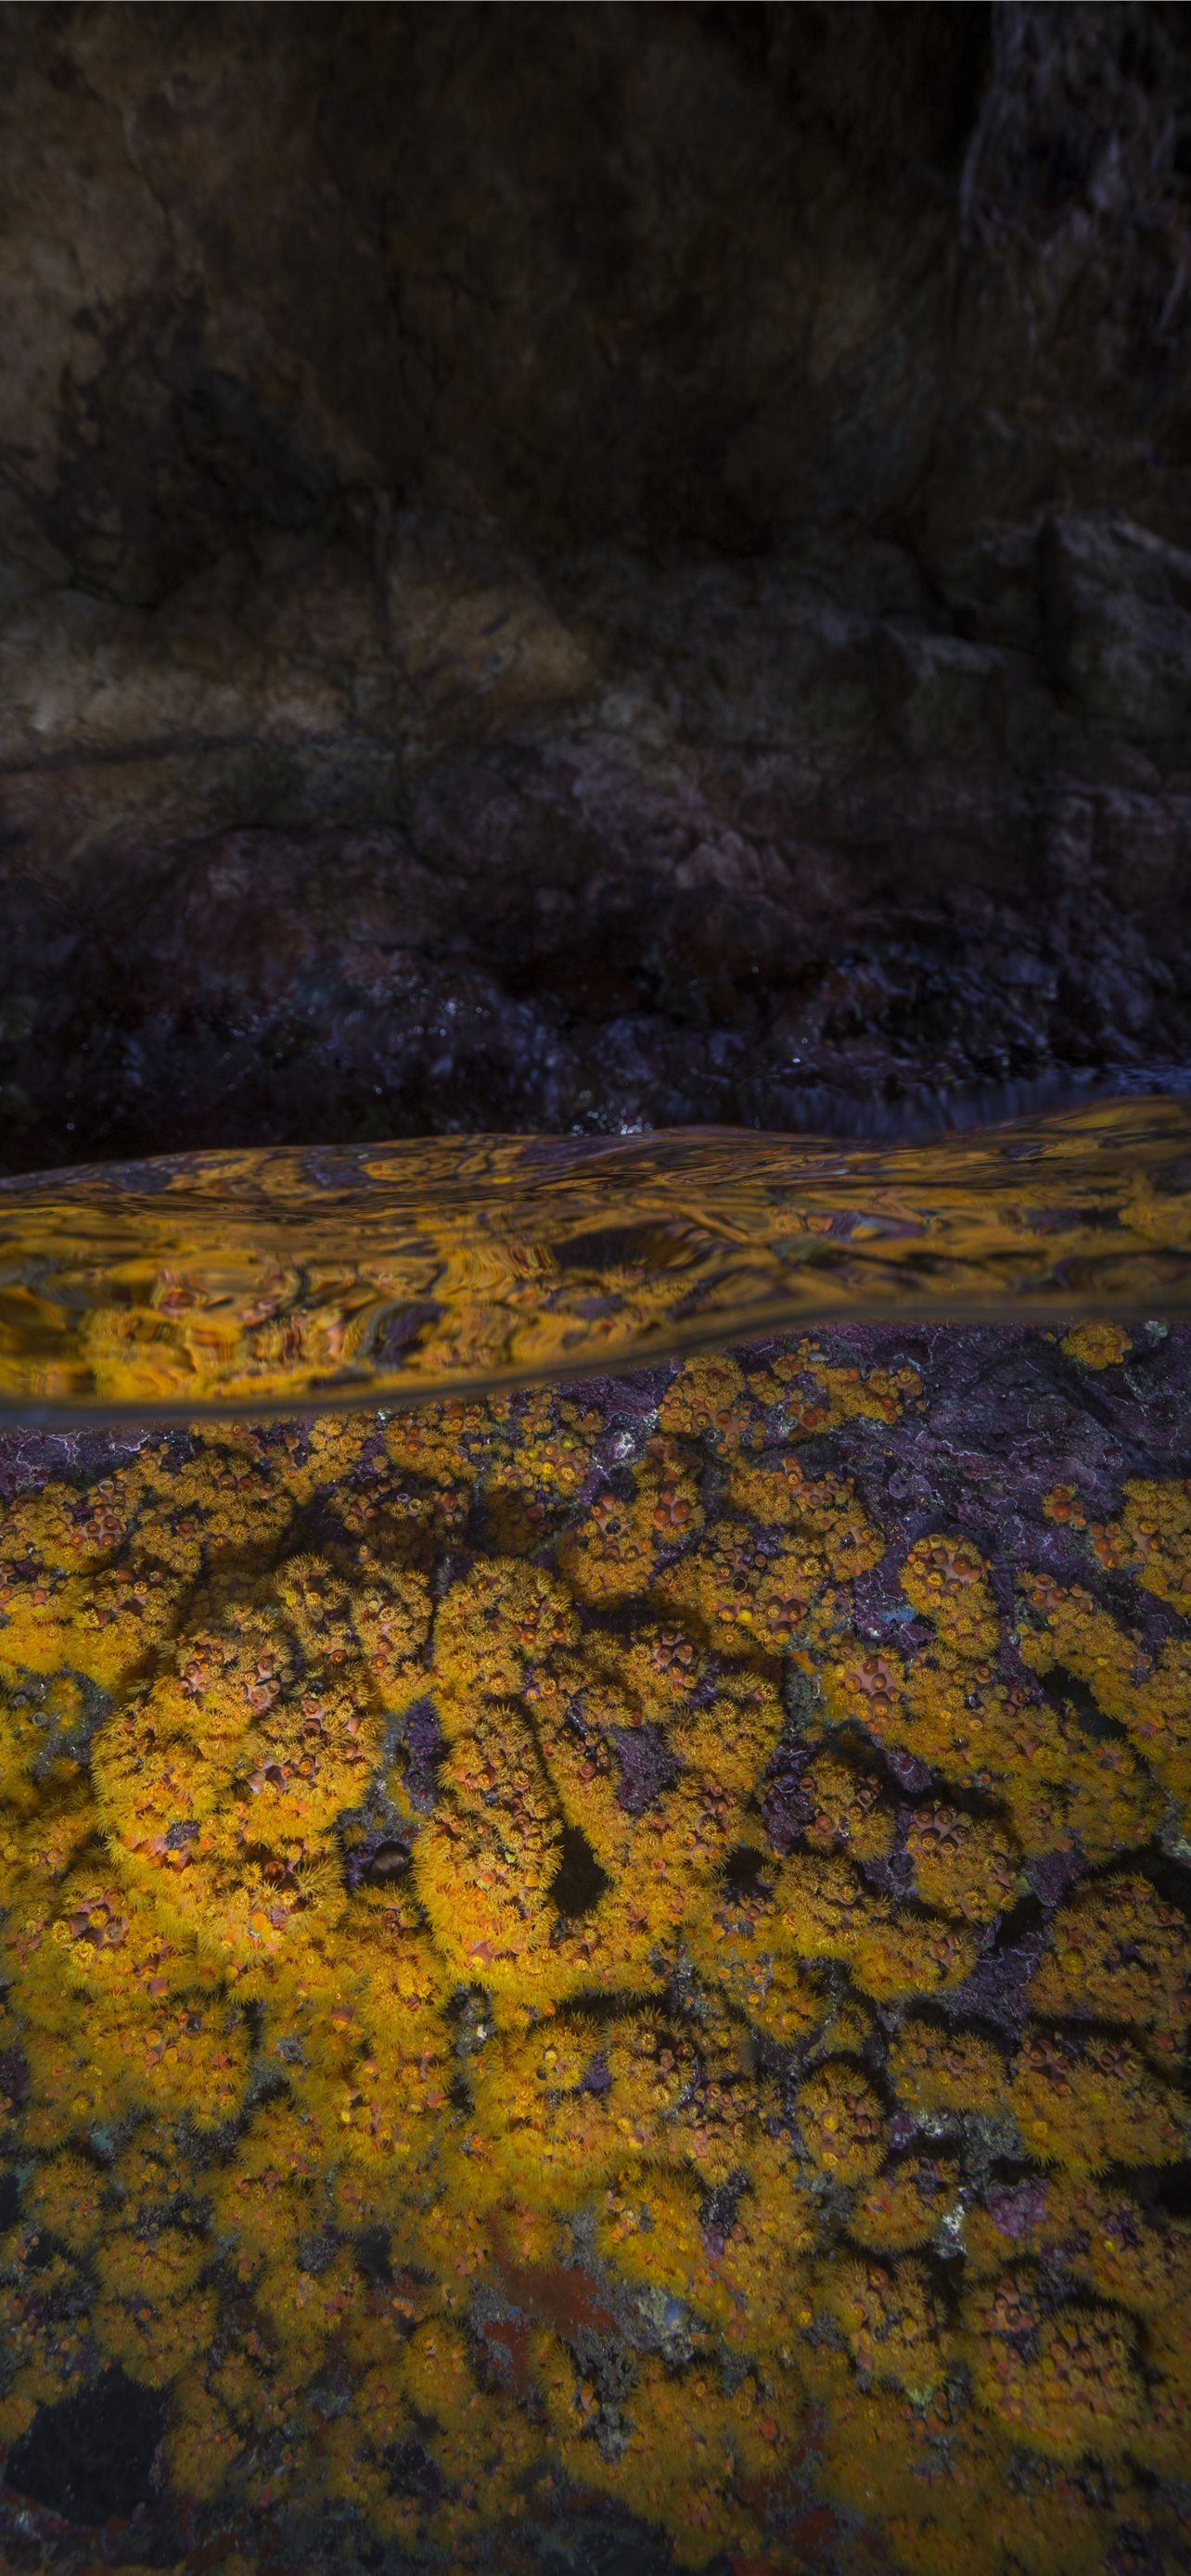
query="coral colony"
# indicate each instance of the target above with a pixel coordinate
(595, 1288)
(567, 1958)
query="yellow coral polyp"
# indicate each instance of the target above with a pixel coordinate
(660, 1665)
(946, 1579)
(1137, 2259)
(827, 1913)
(824, 1508)
(63, 2196)
(846, 1808)
(935, 2067)
(333, 2061)
(498, 1619)
(890, 2317)
(1097, 1345)
(1064, 2384)
(963, 1864)
(738, 1946)
(1117, 1952)
(648, 2229)
(815, 1396)
(1086, 2104)
(842, 2119)
(746, 1589)
(907, 2206)
(613, 1552)
(1151, 1540)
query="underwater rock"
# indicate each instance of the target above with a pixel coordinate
(652, 2036)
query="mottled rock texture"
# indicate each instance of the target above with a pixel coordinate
(570, 567)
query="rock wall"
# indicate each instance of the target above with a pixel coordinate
(588, 566)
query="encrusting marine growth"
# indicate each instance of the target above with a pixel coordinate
(519, 1988)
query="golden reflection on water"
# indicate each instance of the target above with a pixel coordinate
(356, 1274)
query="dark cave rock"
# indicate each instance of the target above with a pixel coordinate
(587, 568)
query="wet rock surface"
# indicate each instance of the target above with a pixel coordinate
(590, 567)
(571, 948)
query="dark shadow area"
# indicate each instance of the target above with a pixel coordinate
(591, 567)
(579, 1882)
(1065, 1690)
(744, 1871)
(90, 2456)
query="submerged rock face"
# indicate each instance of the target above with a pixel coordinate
(571, 567)
(601, 1977)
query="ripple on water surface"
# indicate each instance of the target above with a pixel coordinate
(216, 1280)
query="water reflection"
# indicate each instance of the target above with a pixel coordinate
(270, 1278)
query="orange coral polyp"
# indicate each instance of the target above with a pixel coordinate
(411, 1842)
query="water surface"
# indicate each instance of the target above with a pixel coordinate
(357, 1274)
